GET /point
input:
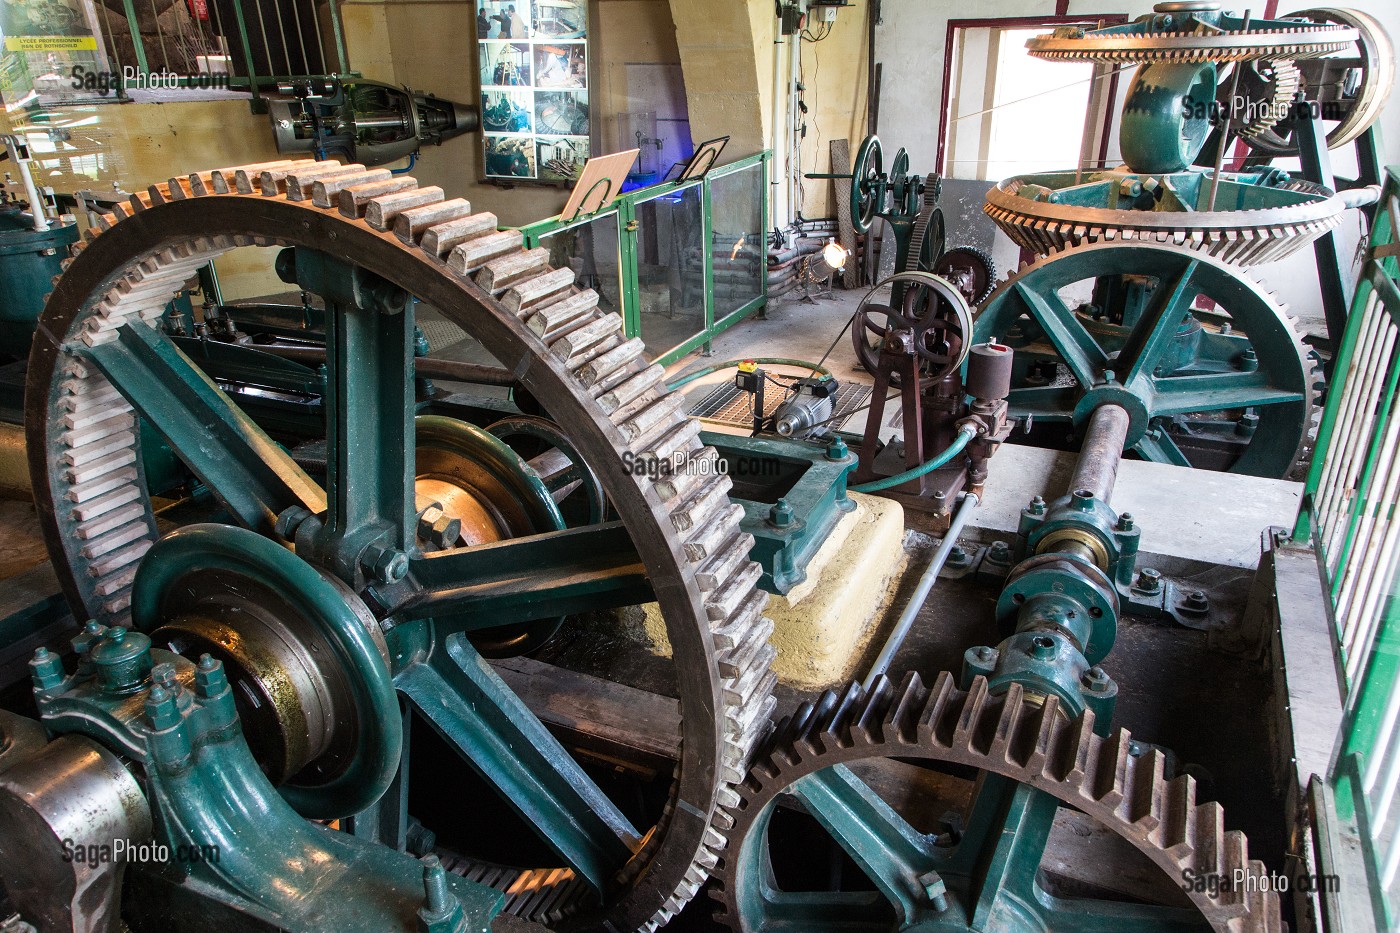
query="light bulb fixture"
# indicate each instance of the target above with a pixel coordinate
(835, 254)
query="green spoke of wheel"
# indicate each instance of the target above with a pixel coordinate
(1081, 353)
(249, 472)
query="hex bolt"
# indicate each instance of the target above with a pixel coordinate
(781, 514)
(164, 674)
(1125, 521)
(837, 450)
(1149, 580)
(1037, 506)
(1000, 552)
(1042, 647)
(46, 669)
(1247, 425)
(209, 679)
(1196, 601)
(438, 529)
(439, 901)
(289, 520)
(162, 711)
(389, 565)
(1249, 360)
(935, 890)
(957, 555)
(1096, 679)
(84, 640)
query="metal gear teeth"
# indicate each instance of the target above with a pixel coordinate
(1027, 738)
(106, 515)
(1283, 87)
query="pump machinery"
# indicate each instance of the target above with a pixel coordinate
(336, 634)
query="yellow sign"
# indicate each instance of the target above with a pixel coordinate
(51, 43)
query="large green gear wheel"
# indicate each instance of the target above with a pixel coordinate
(1176, 368)
(573, 358)
(1040, 758)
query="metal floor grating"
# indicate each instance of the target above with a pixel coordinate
(730, 405)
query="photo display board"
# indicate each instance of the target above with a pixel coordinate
(534, 88)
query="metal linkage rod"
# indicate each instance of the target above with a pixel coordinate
(1102, 451)
(916, 600)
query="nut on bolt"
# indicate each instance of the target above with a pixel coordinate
(1037, 506)
(438, 529)
(389, 565)
(1000, 552)
(1195, 601)
(1149, 580)
(935, 889)
(781, 514)
(1096, 680)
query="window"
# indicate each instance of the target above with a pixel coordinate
(1007, 113)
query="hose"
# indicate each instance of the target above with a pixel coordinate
(765, 360)
(966, 433)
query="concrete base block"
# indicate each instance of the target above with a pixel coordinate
(822, 623)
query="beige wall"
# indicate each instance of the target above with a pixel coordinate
(834, 73)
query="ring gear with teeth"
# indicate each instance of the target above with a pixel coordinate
(1053, 210)
(1181, 33)
(1018, 736)
(98, 520)
(1268, 88)
(1375, 56)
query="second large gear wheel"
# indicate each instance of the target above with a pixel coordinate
(397, 615)
(1205, 360)
(942, 801)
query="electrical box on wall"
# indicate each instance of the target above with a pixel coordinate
(824, 12)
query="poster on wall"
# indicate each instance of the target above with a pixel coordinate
(534, 88)
(50, 54)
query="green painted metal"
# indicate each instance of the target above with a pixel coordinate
(29, 260)
(248, 854)
(809, 481)
(483, 588)
(195, 549)
(1161, 130)
(624, 209)
(1137, 365)
(495, 732)
(252, 475)
(983, 878)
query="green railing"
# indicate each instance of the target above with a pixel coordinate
(1350, 515)
(680, 262)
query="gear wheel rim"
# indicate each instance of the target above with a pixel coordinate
(1017, 735)
(163, 234)
(1245, 238)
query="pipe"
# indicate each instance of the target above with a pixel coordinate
(765, 360)
(965, 433)
(920, 594)
(1102, 451)
(781, 212)
(31, 193)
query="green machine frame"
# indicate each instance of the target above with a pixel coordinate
(624, 209)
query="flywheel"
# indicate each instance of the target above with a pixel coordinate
(375, 244)
(941, 803)
(1204, 359)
